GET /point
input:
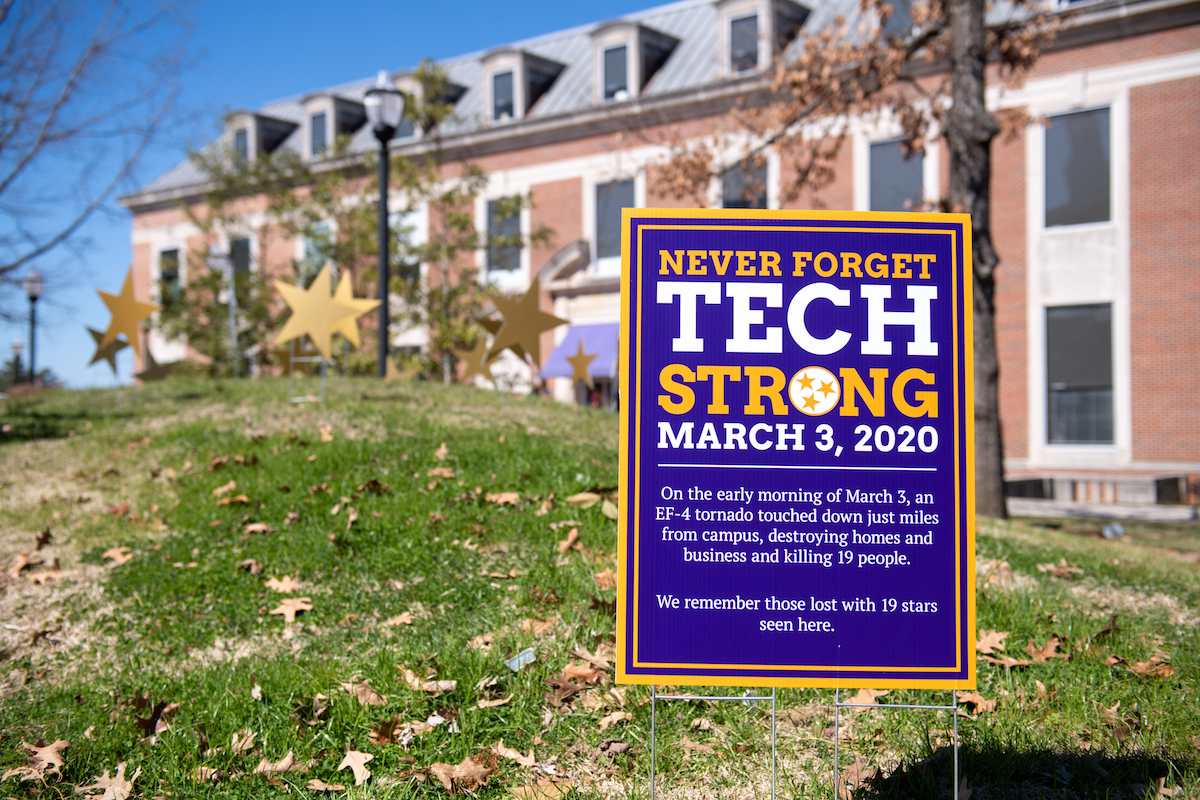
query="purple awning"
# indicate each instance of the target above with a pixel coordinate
(598, 340)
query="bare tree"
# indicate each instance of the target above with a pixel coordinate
(926, 72)
(84, 89)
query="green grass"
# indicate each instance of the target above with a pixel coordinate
(123, 638)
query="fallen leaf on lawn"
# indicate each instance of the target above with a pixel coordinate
(855, 776)
(243, 741)
(441, 472)
(614, 718)
(256, 692)
(110, 788)
(583, 500)
(44, 761)
(582, 672)
(155, 724)
(226, 489)
(536, 626)
(214, 465)
(701, 724)
(964, 791)
(546, 506)
(597, 660)
(351, 517)
(1046, 652)
(400, 619)
(606, 580)
(292, 606)
(251, 565)
(566, 523)
(542, 790)
(990, 641)
(284, 585)
(1060, 570)
(121, 510)
(609, 509)
(503, 701)
(465, 776)
(1154, 668)
(694, 747)
(439, 687)
(20, 562)
(503, 498)
(365, 694)
(40, 578)
(336, 508)
(514, 754)
(387, 731)
(259, 527)
(326, 432)
(977, 700)
(1008, 662)
(866, 697)
(285, 764)
(483, 642)
(207, 774)
(318, 785)
(569, 542)
(118, 554)
(357, 762)
(442, 452)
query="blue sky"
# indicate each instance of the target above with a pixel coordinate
(244, 54)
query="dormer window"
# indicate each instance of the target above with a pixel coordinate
(241, 144)
(752, 32)
(319, 130)
(503, 99)
(253, 135)
(616, 73)
(743, 44)
(627, 56)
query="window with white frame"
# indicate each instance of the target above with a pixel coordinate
(503, 99)
(897, 178)
(169, 278)
(318, 250)
(317, 134)
(743, 187)
(743, 44)
(616, 73)
(241, 144)
(1079, 374)
(504, 236)
(610, 199)
(239, 255)
(1077, 168)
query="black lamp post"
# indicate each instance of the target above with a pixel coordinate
(385, 106)
(33, 290)
(18, 347)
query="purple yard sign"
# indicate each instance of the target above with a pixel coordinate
(796, 451)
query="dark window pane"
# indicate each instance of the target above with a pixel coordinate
(1077, 168)
(504, 249)
(896, 181)
(239, 253)
(615, 69)
(241, 143)
(316, 125)
(743, 44)
(610, 199)
(1079, 374)
(537, 84)
(406, 128)
(502, 96)
(653, 57)
(168, 266)
(744, 189)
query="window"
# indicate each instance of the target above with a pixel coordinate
(616, 81)
(610, 199)
(504, 236)
(241, 144)
(503, 107)
(1079, 406)
(744, 189)
(318, 246)
(316, 127)
(743, 44)
(239, 255)
(406, 127)
(896, 180)
(1077, 168)
(168, 276)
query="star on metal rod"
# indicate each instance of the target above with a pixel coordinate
(314, 311)
(524, 323)
(154, 371)
(493, 327)
(579, 365)
(476, 360)
(345, 296)
(127, 314)
(106, 352)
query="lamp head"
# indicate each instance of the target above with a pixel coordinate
(32, 285)
(385, 106)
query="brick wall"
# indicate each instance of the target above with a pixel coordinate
(1008, 233)
(559, 206)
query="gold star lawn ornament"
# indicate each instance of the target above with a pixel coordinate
(493, 327)
(393, 372)
(476, 360)
(154, 371)
(345, 296)
(524, 323)
(579, 365)
(314, 311)
(106, 352)
(127, 314)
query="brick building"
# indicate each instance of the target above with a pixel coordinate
(1095, 214)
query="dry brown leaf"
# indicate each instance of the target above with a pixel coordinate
(582, 672)
(503, 498)
(40, 578)
(326, 432)
(292, 606)
(990, 641)
(258, 527)
(206, 774)
(1008, 662)
(284, 585)
(357, 762)
(701, 724)
(609, 509)
(400, 619)
(515, 755)
(855, 776)
(536, 626)
(118, 554)
(20, 562)
(285, 764)
(365, 694)
(483, 642)
(110, 788)
(502, 701)
(465, 776)
(866, 697)
(226, 489)
(545, 507)
(606, 580)
(441, 472)
(44, 761)
(1060, 570)
(583, 500)
(243, 741)
(694, 747)
(614, 718)
(250, 565)
(1046, 652)
(1156, 667)
(442, 452)
(977, 700)
(569, 542)
(351, 517)
(542, 790)
(318, 785)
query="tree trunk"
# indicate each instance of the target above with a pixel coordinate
(969, 133)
